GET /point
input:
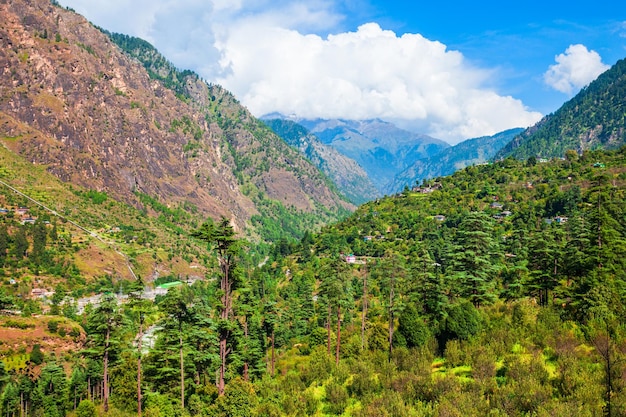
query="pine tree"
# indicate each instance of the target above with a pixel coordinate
(335, 292)
(391, 274)
(40, 237)
(545, 261)
(138, 308)
(177, 316)
(50, 394)
(20, 244)
(222, 239)
(103, 338)
(475, 259)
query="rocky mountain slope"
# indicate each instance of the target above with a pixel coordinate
(594, 119)
(346, 173)
(74, 102)
(469, 152)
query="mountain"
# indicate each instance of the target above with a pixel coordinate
(346, 173)
(595, 118)
(469, 152)
(129, 125)
(381, 148)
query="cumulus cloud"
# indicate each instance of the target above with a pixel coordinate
(369, 73)
(574, 69)
(277, 56)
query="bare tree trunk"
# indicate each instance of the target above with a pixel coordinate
(364, 312)
(328, 330)
(338, 335)
(225, 314)
(139, 346)
(273, 354)
(391, 317)
(599, 235)
(182, 371)
(245, 364)
(602, 343)
(105, 376)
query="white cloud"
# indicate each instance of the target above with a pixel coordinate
(368, 73)
(271, 56)
(575, 68)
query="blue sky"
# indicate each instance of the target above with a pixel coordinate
(453, 70)
(521, 39)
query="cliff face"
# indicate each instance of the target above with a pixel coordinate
(72, 100)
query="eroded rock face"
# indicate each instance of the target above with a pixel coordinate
(72, 100)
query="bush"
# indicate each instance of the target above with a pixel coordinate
(36, 355)
(18, 324)
(86, 408)
(239, 399)
(413, 327)
(454, 354)
(336, 398)
(53, 326)
(318, 337)
(463, 321)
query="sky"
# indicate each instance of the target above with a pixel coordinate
(450, 69)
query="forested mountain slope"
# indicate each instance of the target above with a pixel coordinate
(497, 268)
(594, 119)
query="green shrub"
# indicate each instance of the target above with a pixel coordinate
(36, 355)
(463, 321)
(86, 408)
(18, 324)
(336, 398)
(53, 326)
(413, 327)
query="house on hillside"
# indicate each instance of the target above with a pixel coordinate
(41, 293)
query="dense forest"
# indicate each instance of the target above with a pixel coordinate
(593, 119)
(499, 290)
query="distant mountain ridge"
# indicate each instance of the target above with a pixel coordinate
(595, 118)
(370, 141)
(380, 148)
(346, 173)
(469, 152)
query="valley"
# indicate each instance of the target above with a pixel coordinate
(165, 253)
